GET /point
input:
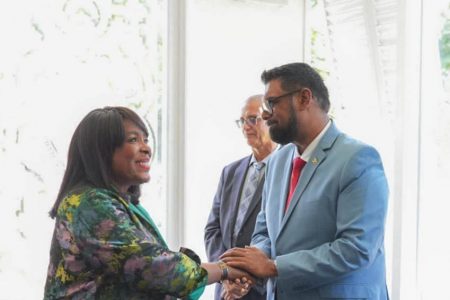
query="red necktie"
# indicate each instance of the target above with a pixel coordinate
(297, 167)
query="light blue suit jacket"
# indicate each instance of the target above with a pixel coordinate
(329, 244)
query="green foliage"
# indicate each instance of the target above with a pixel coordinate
(444, 47)
(318, 60)
(444, 44)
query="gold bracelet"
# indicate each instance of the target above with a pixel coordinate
(223, 266)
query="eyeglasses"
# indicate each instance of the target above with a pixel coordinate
(269, 103)
(251, 121)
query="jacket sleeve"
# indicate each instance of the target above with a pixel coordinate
(213, 234)
(260, 237)
(113, 244)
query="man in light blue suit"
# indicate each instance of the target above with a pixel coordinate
(320, 231)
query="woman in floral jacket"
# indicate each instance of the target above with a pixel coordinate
(105, 245)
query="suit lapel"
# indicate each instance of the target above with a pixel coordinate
(307, 172)
(284, 187)
(237, 183)
(317, 157)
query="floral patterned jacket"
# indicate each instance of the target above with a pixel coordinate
(106, 248)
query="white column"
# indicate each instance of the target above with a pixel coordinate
(407, 157)
(176, 122)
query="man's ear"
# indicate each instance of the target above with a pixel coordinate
(305, 97)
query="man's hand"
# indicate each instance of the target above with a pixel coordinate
(252, 260)
(234, 290)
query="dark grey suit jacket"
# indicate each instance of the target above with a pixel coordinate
(219, 229)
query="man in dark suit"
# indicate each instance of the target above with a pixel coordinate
(238, 198)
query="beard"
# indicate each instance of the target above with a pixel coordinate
(286, 134)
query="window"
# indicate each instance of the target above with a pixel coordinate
(434, 175)
(400, 103)
(58, 61)
(352, 43)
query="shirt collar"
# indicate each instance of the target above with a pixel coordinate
(253, 159)
(306, 155)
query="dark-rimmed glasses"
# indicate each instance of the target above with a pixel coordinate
(251, 121)
(269, 103)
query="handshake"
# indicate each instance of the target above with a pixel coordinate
(241, 268)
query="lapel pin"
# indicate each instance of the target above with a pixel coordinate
(315, 160)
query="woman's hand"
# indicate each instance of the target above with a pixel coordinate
(238, 274)
(232, 290)
(219, 271)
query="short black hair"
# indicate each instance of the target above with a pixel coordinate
(91, 150)
(297, 75)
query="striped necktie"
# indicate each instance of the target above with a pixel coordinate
(249, 191)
